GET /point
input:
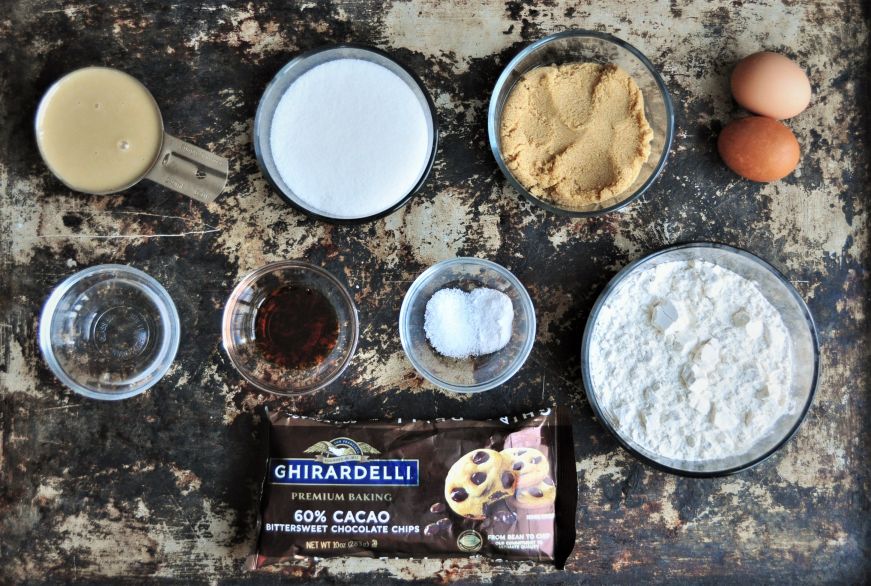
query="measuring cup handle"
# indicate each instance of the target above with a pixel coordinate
(190, 170)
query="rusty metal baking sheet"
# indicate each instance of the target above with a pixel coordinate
(164, 485)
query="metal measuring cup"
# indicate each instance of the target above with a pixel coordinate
(177, 165)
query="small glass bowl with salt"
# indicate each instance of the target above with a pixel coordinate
(476, 373)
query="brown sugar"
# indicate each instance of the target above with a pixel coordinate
(575, 134)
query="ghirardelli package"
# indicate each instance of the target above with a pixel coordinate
(503, 488)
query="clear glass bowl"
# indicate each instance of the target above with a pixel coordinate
(479, 373)
(590, 46)
(289, 74)
(109, 332)
(797, 318)
(240, 336)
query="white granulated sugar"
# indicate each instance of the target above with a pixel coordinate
(350, 138)
(460, 324)
(691, 362)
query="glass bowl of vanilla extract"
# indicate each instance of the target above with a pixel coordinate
(290, 328)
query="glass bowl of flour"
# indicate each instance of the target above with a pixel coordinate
(701, 359)
(476, 373)
(345, 134)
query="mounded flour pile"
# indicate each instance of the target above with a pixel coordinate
(350, 138)
(691, 362)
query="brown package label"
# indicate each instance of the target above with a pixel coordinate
(503, 488)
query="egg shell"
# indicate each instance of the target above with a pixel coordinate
(759, 148)
(771, 85)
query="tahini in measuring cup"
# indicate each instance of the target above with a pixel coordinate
(100, 131)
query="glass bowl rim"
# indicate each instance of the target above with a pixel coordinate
(494, 139)
(604, 420)
(525, 300)
(257, 137)
(46, 317)
(269, 268)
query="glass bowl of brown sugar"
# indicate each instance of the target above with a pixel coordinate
(556, 160)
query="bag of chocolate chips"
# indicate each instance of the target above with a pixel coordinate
(504, 488)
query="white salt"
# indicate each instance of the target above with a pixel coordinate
(448, 323)
(350, 138)
(460, 324)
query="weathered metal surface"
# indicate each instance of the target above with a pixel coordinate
(164, 485)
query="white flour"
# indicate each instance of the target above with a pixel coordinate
(691, 362)
(350, 138)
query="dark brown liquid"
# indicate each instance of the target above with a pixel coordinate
(296, 327)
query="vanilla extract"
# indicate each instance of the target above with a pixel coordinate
(296, 327)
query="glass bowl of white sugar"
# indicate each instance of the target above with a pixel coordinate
(346, 134)
(475, 373)
(701, 359)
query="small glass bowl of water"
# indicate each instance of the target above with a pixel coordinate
(109, 332)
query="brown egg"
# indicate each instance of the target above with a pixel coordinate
(759, 148)
(771, 85)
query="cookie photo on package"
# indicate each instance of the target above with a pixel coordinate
(503, 488)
